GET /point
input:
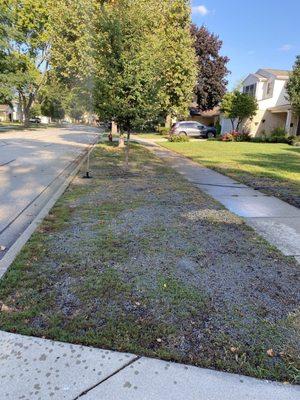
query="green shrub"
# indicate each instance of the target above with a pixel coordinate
(278, 132)
(258, 139)
(178, 138)
(163, 130)
(235, 136)
(296, 141)
(275, 137)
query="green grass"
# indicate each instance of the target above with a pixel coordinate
(151, 136)
(272, 168)
(120, 263)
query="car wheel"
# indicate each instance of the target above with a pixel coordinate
(210, 135)
(182, 133)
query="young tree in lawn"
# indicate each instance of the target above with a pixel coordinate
(237, 107)
(145, 60)
(212, 69)
(126, 81)
(293, 86)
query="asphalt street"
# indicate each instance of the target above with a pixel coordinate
(33, 164)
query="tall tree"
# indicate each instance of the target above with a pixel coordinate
(40, 35)
(177, 58)
(212, 68)
(145, 60)
(293, 86)
(25, 50)
(126, 80)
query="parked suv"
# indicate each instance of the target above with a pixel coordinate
(35, 120)
(193, 128)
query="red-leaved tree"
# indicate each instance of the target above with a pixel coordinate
(212, 68)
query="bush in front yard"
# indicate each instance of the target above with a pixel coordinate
(163, 130)
(296, 141)
(235, 136)
(178, 138)
(278, 135)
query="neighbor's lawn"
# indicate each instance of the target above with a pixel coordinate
(272, 168)
(144, 262)
(151, 136)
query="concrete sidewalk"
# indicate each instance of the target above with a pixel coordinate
(32, 368)
(277, 221)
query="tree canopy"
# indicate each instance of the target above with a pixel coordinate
(145, 63)
(293, 86)
(212, 68)
(38, 36)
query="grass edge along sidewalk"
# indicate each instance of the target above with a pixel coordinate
(271, 168)
(120, 263)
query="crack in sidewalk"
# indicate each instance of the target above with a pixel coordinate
(108, 377)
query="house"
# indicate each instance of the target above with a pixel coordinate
(10, 113)
(274, 110)
(208, 118)
(5, 113)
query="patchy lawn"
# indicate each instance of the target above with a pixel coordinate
(272, 168)
(146, 263)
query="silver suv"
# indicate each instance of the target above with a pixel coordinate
(193, 128)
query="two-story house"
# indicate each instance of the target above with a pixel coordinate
(274, 109)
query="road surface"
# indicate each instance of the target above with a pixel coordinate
(33, 165)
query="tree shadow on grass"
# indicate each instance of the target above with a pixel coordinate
(278, 174)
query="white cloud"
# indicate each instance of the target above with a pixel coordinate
(285, 47)
(202, 10)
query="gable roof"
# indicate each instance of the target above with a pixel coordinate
(278, 73)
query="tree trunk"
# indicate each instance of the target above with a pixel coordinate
(232, 123)
(127, 151)
(238, 124)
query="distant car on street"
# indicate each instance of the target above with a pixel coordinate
(193, 128)
(35, 120)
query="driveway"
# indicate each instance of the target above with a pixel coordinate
(33, 165)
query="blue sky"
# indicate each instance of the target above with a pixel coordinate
(256, 34)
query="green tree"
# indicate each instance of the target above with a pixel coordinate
(25, 50)
(176, 57)
(237, 107)
(39, 36)
(126, 82)
(145, 60)
(293, 86)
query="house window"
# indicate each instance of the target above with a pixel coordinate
(250, 89)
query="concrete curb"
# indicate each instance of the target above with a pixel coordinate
(15, 249)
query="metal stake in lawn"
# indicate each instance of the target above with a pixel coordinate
(87, 170)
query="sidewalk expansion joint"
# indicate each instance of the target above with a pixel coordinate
(108, 377)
